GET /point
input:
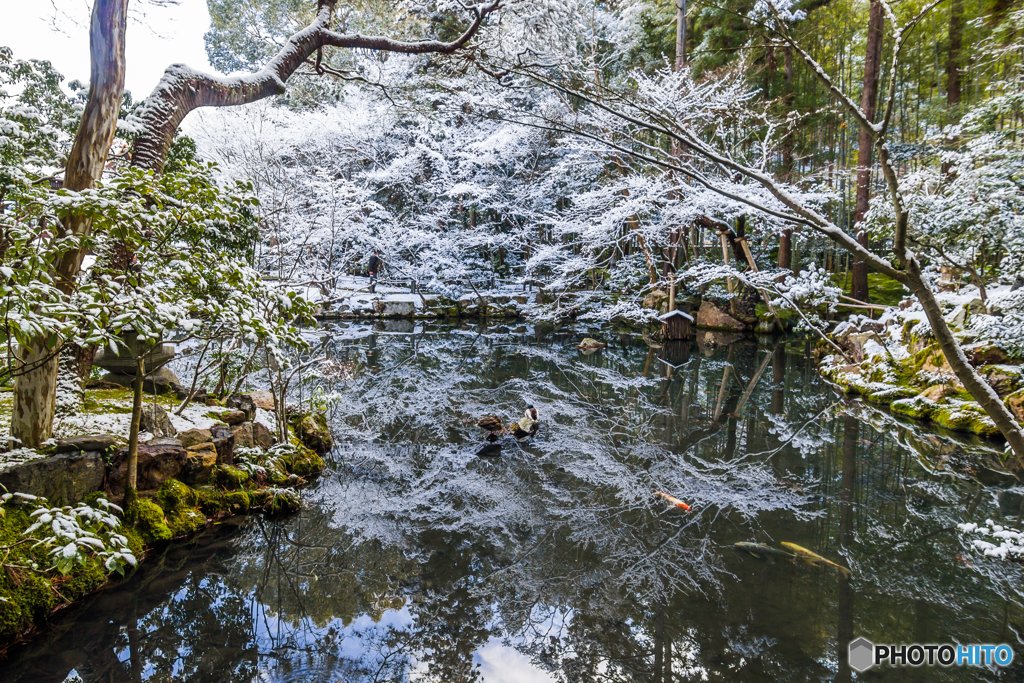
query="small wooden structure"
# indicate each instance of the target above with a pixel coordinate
(676, 325)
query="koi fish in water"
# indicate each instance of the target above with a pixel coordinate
(761, 550)
(673, 500)
(811, 557)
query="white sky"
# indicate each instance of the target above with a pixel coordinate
(58, 30)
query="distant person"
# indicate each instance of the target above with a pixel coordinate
(372, 269)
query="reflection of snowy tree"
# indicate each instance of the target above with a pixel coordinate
(414, 554)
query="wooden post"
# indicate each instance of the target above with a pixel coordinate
(764, 295)
(725, 258)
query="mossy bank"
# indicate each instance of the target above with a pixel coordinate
(207, 479)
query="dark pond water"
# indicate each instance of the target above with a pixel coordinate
(418, 560)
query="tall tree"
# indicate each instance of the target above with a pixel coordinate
(680, 34)
(956, 37)
(35, 386)
(865, 145)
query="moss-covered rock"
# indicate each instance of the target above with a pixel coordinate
(891, 393)
(147, 518)
(311, 429)
(185, 521)
(28, 594)
(1015, 402)
(173, 494)
(917, 407)
(278, 501)
(232, 478)
(179, 503)
(1005, 379)
(301, 461)
(965, 417)
(210, 501)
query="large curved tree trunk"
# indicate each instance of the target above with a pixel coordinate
(35, 386)
(183, 89)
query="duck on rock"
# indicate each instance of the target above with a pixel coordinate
(523, 428)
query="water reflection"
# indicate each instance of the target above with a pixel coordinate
(418, 560)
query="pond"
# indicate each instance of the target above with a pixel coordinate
(419, 559)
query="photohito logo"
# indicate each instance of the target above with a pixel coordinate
(864, 654)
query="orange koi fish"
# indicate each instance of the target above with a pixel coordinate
(673, 500)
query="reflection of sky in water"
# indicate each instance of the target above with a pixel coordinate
(501, 663)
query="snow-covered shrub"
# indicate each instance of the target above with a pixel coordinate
(76, 533)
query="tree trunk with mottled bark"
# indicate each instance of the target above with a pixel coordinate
(35, 386)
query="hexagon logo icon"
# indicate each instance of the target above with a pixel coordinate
(862, 655)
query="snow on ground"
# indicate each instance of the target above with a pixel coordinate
(117, 422)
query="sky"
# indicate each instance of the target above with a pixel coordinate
(158, 35)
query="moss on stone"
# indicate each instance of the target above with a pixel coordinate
(311, 429)
(29, 595)
(231, 477)
(210, 501)
(148, 520)
(891, 393)
(83, 580)
(135, 542)
(173, 494)
(965, 417)
(302, 461)
(185, 521)
(236, 502)
(179, 503)
(217, 416)
(277, 473)
(283, 503)
(917, 407)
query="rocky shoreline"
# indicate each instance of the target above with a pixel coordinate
(187, 480)
(895, 362)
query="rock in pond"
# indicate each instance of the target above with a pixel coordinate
(311, 429)
(711, 317)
